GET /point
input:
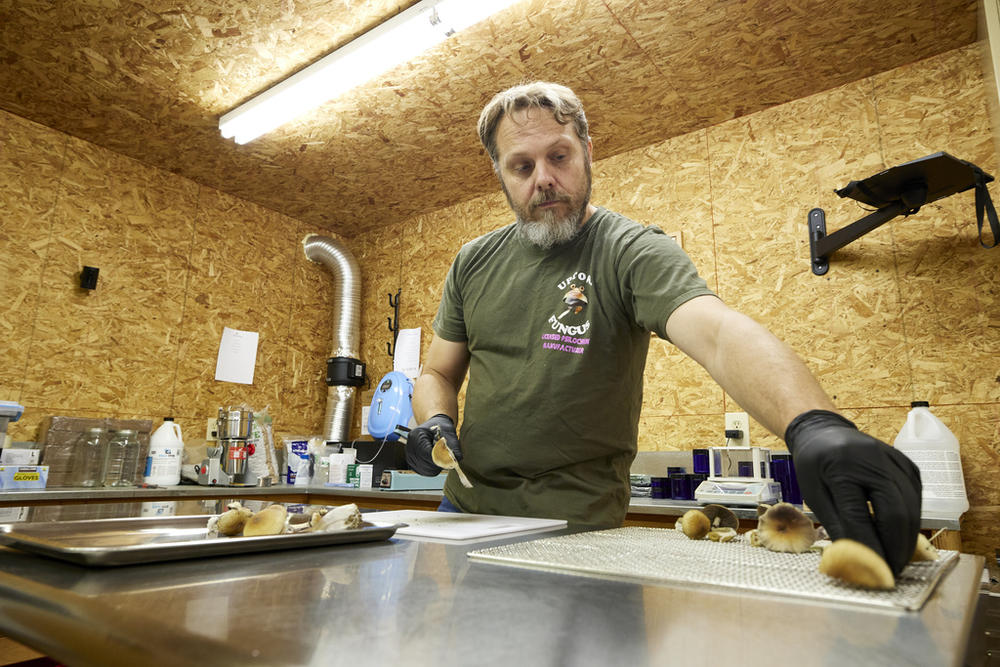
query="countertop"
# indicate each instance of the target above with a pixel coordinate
(405, 602)
(325, 494)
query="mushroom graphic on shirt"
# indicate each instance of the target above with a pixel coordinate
(575, 299)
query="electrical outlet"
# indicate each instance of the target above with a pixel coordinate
(364, 419)
(740, 421)
(210, 429)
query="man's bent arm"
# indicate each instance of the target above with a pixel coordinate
(436, 390)
(762, 373)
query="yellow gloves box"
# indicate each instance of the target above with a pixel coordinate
(23, 477)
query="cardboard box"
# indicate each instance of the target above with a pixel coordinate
(23, 477)
(21, 456)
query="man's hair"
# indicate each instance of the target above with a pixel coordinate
(560, 100)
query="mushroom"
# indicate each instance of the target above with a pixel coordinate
(717, 522)
(924, 550)
(856, 564)
(721, 517)
(444, 458)
(783, 527)
(231, 522)
(722, 535)
(343, 517)
(695, 524)
(297, 523)
(268, 521)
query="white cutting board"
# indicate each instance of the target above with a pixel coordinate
(459, 526)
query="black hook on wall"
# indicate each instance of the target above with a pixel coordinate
(393, 323)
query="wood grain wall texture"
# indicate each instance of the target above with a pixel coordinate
(178, 263)
(909, 312)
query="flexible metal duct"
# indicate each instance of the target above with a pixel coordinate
(346, 324)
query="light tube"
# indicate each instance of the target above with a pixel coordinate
(391, 43)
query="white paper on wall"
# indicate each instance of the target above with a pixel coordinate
(407, 357)
(237, 356)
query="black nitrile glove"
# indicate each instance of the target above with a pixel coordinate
(420, 441)
(839, 469)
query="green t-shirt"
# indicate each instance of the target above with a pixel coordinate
(558, 341)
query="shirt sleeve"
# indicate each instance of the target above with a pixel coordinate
(449, 322)
(657, 276)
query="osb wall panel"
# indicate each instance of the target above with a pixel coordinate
(381, 261)
(178, 263)
(977, 428)
(111, 349)
(768, 170)
(308, 340)
(241, 277)
(668, 185)
(31, 159)
(947, 282)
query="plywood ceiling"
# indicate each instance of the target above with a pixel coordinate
(150, 79)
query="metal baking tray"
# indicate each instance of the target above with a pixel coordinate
(128, 541)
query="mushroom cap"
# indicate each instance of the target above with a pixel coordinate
(924, 550)
(695, 524)
(856, 564)
(783, 527)
(442, 456)
(268, 521)
(231, 522)
(721, 516)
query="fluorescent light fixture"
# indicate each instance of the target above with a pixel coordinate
(399, 39)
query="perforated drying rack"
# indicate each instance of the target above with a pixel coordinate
(665, 556)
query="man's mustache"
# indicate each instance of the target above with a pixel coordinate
(548, 197)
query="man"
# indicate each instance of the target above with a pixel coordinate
(551, 317)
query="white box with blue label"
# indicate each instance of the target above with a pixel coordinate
(23, 477)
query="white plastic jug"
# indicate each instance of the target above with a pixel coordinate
(934, 448)
(166, 449)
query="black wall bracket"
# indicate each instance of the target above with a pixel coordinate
(902, 190)
(821, 245)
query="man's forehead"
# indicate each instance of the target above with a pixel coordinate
(531, 123)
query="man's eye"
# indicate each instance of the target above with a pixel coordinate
(522, 168)
(559, 157)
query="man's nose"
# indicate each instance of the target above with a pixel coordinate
(544, 179)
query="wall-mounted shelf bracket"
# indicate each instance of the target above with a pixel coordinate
(821, 245)
(902, 190)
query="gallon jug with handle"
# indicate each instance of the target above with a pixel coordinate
(166, 449)
(934, 448)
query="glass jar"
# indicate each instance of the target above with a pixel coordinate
(90, 455)
(122, 459)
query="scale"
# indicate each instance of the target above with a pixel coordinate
(738, 476)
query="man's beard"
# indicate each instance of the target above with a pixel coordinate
(550, 229)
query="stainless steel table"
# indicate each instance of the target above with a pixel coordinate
(414, 603)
